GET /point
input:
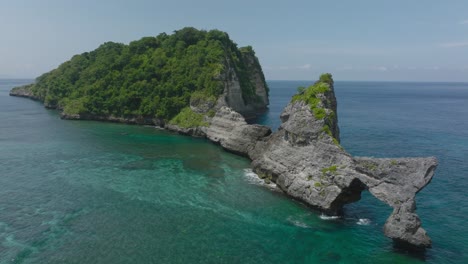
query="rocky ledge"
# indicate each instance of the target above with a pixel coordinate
(24, 91)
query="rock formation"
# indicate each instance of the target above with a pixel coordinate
(233, 96)
(229, 129)
(304, 158)
(24, 91)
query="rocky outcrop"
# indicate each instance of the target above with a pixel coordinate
(229, 129)
(396, 182)
(24, 91)
(305, 160)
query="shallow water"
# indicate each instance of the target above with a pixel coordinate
(89, 192)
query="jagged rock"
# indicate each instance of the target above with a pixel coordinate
(24, 91)
(189, 131)
(396, 182)
(305, 160)
(231, 131)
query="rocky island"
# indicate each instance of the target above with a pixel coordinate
(199, 83)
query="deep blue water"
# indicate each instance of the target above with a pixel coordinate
(90, 192)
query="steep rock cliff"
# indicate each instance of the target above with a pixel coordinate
(243, 100)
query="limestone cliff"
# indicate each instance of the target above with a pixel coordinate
(235, 96)
(305, 160)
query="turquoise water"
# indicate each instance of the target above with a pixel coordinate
(89, 192)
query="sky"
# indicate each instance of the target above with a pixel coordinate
(374, 40)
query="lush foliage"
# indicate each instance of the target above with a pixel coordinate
(326, 78)
(331, 169)
(187, 118)
(154, 76)
(311, 94)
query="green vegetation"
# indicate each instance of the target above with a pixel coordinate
(369, 165)
(312, 93)
(394, 162)
(301, 89)
(319, 113)
(327, 131)
(75, 106)
(326, 78)
(314, 96)
(211, 113)
(331, 169)
(187, 118)
(318, 184)
(151, 77)
(199, 97)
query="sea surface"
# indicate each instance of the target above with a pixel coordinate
(90, 192)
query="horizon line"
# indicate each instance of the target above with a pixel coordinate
(295, 80)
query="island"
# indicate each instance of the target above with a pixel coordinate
(199, 83)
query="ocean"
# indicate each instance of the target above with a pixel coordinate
(90, 192)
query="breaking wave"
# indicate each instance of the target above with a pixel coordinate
(363, 221)
(329, 217)
(253, 178)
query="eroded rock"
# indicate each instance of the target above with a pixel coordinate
(229, 129)
(305, 160)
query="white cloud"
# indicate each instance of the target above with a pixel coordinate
(382, 68)
(305, 66)
(454, 44)
(346, 68)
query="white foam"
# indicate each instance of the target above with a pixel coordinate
(253, 178)
(363, 221)
(297, 223)
(329, 217)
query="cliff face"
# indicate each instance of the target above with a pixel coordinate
(234, 96)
